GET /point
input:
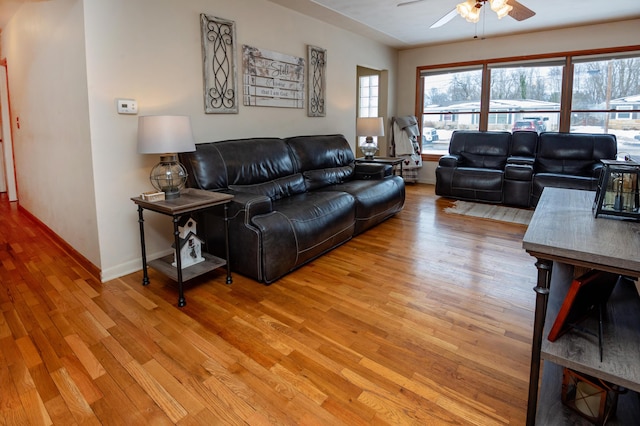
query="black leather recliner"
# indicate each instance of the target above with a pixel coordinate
(570, 160)
(500, 167)
(294, 199)
(474, 168)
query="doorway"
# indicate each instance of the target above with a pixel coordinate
(7, 166)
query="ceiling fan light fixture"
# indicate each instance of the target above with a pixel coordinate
(500, 7)
(468, 10)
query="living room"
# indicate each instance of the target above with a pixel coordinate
(69, 60)
(76, 54)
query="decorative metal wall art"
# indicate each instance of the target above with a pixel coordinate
(272, 79)
(219, 65)
(317, 81)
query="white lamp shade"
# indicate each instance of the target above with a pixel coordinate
(370, 126)
(160, 134)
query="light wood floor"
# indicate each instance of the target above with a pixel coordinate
(425, 319)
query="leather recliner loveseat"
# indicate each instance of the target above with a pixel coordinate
(501, 167)
(294, 199)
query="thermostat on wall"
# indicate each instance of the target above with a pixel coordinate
(127, 106)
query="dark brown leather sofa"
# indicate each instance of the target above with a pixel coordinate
(294, 199)
(501, 167)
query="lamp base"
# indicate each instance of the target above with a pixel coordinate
(171, 194)
(168, 176)
(369, 148)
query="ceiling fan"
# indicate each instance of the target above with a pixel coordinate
(518, 11)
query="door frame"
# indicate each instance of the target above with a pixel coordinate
(7, 134)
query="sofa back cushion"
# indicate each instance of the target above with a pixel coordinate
(523, 144)
(487, 150)
(323, 160)
(275, 189)
(573, 153)
(217, 165)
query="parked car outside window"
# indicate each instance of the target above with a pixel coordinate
(429, 134)
(540, 123)
(525, 125)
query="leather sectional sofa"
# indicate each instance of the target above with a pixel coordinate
(294, 199)
(501, 167)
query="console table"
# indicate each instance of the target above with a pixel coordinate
(563, 235)
(190, 201)
(392, 161)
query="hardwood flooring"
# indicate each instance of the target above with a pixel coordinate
(425, 320)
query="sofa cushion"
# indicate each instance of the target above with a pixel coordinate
(375, 199)
(320, 152)
(573, 153)
(275, 189)
(302, 227)
(477, 184)
(483, 161)
(218, 165)
(523, 144)
(480, 149)
(315, 179)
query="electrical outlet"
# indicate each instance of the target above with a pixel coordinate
(127, 106)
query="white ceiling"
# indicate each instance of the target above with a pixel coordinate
(408, 26)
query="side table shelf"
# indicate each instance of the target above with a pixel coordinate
(579, 351)
(164, 265)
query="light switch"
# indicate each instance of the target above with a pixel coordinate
(127, 106)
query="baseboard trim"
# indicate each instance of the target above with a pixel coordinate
(92, 269)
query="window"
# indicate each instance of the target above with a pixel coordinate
(368, 95)
(606, 99)
(528, 92)
(368, 90)
(507, 95)
(451, 101)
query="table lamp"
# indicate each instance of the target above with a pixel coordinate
(166, 135)
(369, 127)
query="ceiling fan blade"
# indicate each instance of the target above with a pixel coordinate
(407, 3)
(520, 12)
(446, 18)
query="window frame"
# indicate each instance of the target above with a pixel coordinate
(568, 58)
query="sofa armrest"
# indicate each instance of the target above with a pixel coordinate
(525, 161)
(245, 206)
(596, 170)
(372, 170)
(449, 161)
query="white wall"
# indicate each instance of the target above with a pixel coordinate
(44, 48)
(618, 34)
(69, 60)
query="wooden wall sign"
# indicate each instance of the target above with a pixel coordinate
(272, 79)
(219, 65)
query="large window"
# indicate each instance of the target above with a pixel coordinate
(451, 101)
(525, 96)
(509, 95)
(606, 99)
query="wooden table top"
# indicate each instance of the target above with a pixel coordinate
(564, 229)
(190, 200)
